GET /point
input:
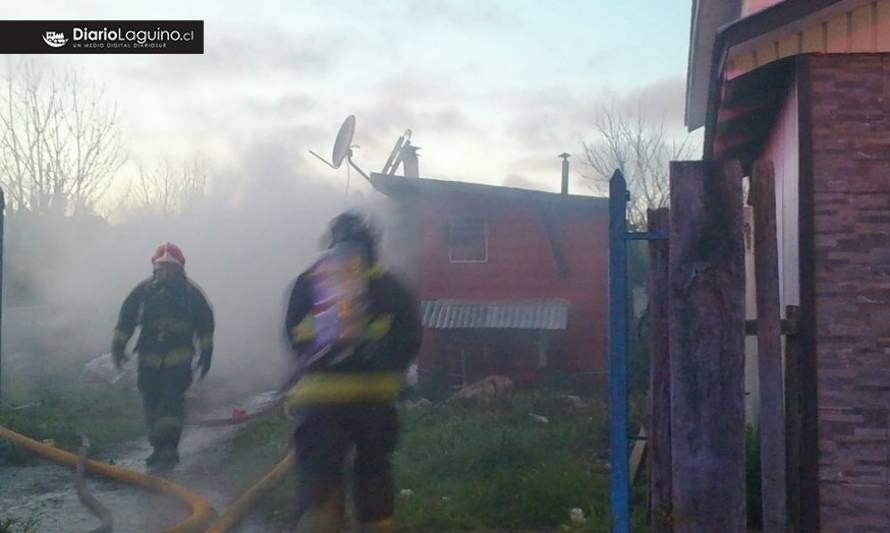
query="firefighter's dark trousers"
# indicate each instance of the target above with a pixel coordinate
(163, 401)
(323, 437)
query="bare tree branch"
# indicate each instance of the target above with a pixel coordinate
(642, 150)
(60, 145)
(166, 191)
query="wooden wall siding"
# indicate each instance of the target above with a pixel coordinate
(520, 265)
(864, 29)
(782, 149)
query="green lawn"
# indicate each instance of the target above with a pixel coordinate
(56, 406)
(475, 466)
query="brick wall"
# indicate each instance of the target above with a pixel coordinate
(850, 111)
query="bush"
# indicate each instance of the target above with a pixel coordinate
(752, 471)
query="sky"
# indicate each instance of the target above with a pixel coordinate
(493, 90)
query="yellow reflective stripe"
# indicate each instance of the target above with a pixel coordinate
(305, 330)
(120, 335)
(173, 357)
(205, 342)
(375, 271)
(379, 327)
(332, 387)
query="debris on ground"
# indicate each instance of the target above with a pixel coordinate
(539, 418)
(574, 400)
(485, 388)
(576, 515)
(420, 402)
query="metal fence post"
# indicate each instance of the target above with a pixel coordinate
(618, 427)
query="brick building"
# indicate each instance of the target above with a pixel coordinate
(806, 84)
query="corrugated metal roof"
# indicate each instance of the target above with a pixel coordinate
(497, 314)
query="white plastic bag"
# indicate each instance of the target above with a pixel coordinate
(101, 370)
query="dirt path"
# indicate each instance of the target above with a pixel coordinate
(46, 493)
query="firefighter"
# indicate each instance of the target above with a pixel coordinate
(355, 330)
(174, 316)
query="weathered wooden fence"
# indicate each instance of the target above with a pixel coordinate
(696, 285)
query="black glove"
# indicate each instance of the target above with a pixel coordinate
(204, 361)
(119, 358)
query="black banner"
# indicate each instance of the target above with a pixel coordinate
(101, 36)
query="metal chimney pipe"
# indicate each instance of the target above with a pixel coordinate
(410, 164)
(565, 172)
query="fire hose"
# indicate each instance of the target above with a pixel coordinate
(200, 510)
(198, 520)
(83, 494)
(238, 416)
(235, 512)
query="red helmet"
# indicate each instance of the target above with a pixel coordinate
(168, 253)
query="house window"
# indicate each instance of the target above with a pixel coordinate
(467, 240)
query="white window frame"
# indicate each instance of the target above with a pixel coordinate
(451, 222)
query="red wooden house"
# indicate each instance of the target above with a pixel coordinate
(512, 281)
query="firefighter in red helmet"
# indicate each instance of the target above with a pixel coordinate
(355, 330)
(174, 318)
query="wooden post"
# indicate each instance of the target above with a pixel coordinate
(659, 377)
(771, 417)
(793, 420)
(706, 344)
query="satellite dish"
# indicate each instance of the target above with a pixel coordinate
(343, 141)
(343, 147)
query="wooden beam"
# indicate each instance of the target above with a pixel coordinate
(793, 415)
(771, 414)
(560, 266)
(659, 376)
(638, 453)
(809, 382)
(789, 327)
(706, 336)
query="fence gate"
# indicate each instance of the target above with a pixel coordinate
(699, 340)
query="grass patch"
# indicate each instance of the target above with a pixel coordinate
(58, 407)
(475, 466)
(13, 525)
